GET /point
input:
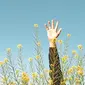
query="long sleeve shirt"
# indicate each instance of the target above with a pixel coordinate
(54, 64)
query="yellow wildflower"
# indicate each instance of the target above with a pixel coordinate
(68, 35)
(80, 47)
(74, 67)
(8, 50)
(30, 59)
(41, 75)
(77, 80)
(1, 63)
(4, 79)
(5, 60)
(34, 75)
(70, 78)
(63, 82)
(19, 46)
(70, 70)
(30, 84)
(60, 41)
(73, 52)
(50, 71)
(11, 83)
(38, 57)
(38, 43)
(65, 79)
(64, 58)
(25, 77)
(50, 81)
(36, 25)
(79, 70)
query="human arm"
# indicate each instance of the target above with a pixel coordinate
(54, 62)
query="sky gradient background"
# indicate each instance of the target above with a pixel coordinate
(17, 18)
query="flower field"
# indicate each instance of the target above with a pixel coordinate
(72, 65)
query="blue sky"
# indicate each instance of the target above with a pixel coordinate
(17, 18)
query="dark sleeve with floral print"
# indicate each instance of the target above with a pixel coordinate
(54, 64)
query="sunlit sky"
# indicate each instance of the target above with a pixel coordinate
(17, 18)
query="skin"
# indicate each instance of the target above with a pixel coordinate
(52, 32)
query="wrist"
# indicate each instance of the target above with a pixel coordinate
(52, 42)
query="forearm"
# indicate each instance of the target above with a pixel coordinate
(54, 64)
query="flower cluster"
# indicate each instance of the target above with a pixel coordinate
(25, 77)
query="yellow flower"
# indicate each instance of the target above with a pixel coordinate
(4, 79)
(30, 84)
(50, 81)
(5, 60)
(70, 70)
(63, 83)
(65, 79)
(34, 75)
(70, 78)
(68, 35)
(8, 50)
(79, 70)
(77, 80)
(36, 25)
(19, 46)
(50, 71)
(80, 47)
(73, 52)
(11, 83)
(38, 43)
(1, 63)
(74, 67)
(41, 75)
(38, 57)
(60, 41)
(25, 77)
(64, 58)
(30, 59)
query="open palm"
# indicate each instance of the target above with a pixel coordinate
(52, 31)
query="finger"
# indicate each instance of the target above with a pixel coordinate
(52, 24)
(56, 27)
(59, 31)
(49, 24)
(46, 27)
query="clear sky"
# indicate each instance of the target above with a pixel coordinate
(17, 18)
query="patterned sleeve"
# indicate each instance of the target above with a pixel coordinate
(54, 64)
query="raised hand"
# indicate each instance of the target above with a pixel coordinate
(52, 32)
